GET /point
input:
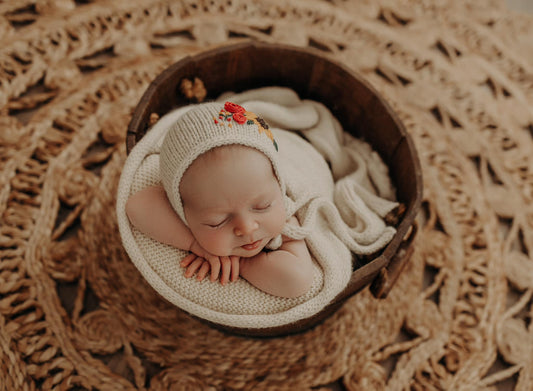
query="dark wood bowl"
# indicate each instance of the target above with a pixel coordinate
(361, 110)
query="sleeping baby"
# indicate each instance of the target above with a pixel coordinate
(275, 215)
(223, 200)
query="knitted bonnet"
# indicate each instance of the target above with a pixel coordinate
(207, 126)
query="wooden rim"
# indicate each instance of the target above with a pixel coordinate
(380, 273)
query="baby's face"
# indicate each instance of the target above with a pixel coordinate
(232, 201)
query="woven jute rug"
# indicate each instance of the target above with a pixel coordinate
(76, 315)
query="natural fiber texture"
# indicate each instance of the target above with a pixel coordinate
(75, 313)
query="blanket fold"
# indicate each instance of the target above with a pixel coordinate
(362, 194)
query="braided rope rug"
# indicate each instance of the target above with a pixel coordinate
(76, 315)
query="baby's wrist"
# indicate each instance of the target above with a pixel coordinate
(191, 246)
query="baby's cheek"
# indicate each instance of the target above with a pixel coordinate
(277, 220)
(215, 243)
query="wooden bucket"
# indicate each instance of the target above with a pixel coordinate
(360, 109)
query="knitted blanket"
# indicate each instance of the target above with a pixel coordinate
(335, 218)
(75, 313)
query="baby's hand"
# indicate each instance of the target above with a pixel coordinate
(197, 264)
(228, 265)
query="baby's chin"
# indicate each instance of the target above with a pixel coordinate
(241, 253)
(245, 254)
(249, 254)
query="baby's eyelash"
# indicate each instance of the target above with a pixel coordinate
(263, 207)
(216, 225)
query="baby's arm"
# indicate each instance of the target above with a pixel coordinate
(286, 272)
(150, 211)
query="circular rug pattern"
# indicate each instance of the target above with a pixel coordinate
(76, 315)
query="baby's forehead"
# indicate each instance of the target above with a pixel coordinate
(224, 163)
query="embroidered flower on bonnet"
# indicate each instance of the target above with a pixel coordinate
(237, 113)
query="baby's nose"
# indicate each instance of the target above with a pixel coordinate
(245, 226)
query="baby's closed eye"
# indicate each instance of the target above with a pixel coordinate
(263, 206)
(216, 224)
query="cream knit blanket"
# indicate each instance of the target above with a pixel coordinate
(336, 185)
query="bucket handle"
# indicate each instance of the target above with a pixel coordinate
(388, 275)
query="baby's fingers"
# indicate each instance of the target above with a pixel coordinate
(215, 268)
(188, 260)
(193, 267)
(226, 270)
(234, 268)
(204, 269)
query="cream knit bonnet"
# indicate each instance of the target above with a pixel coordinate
(207, 126)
